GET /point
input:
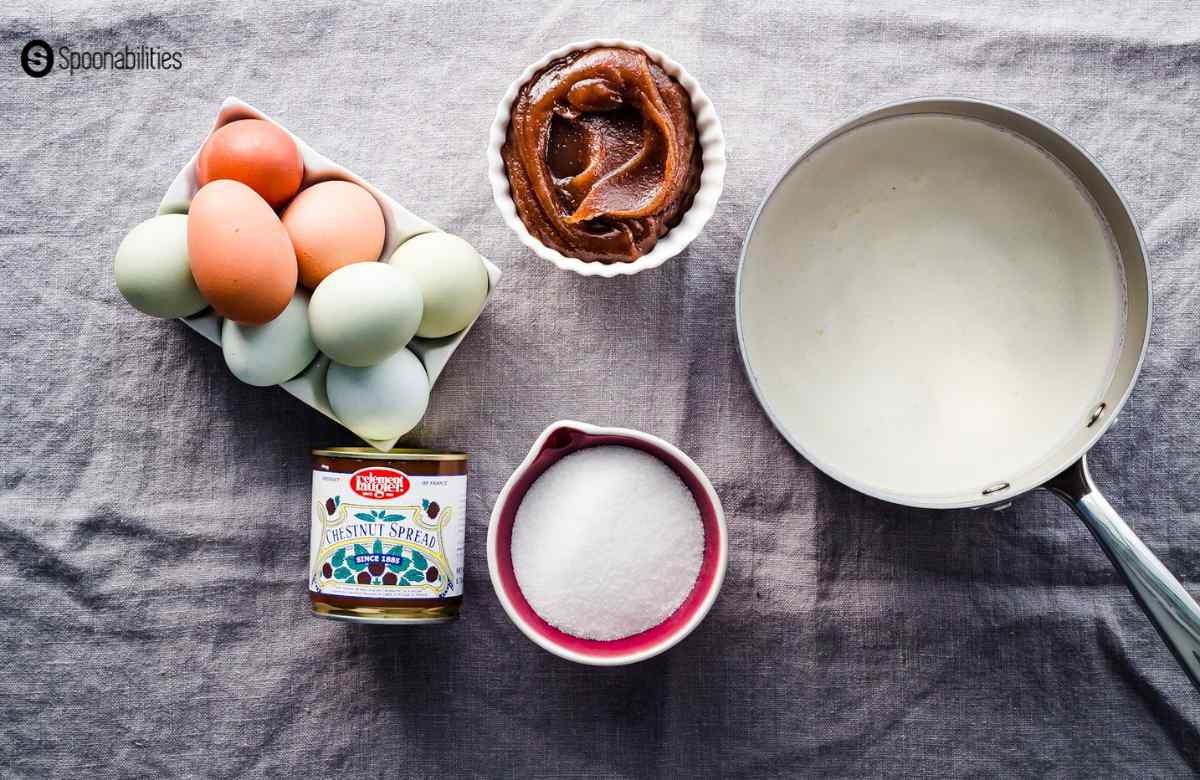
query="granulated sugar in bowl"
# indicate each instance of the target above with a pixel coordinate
(600, 568)
(607, 546)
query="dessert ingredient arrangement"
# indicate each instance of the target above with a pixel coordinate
(942, 303)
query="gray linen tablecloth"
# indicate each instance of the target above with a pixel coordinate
(153, 509)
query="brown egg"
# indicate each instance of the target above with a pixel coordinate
(332, 224)
(241, 256)
(257, 153)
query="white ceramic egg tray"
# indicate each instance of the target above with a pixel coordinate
(402, 225)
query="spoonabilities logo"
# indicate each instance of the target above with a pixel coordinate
(37, 58)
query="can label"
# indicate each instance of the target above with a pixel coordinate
(383, 534)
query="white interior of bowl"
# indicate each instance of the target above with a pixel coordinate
(712, 178)
(401, 225)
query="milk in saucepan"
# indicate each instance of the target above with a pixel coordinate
(930, 304)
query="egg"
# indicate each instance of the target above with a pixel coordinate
(380, 401)
(333, 224)
(364, 312)
(257, 153)
(453, 281)
(269, 354)
(242, 259)
(153, 270)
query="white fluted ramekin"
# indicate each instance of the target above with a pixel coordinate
(712, 178)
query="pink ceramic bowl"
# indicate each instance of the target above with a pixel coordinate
(557, 441)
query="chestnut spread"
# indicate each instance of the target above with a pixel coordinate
(386, 544)
(601, 154)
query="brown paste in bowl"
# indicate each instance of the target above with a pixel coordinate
(602, 155)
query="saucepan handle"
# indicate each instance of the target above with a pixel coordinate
(1170, 608)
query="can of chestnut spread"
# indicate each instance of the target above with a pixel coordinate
(387, 535)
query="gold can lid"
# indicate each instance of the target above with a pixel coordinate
(399, 453)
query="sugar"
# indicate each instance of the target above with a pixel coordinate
(607, 543)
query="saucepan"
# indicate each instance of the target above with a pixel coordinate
(944, 303)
